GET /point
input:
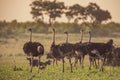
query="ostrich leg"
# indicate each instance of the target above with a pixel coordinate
(70, 65)
(31, 64)
(38, 63)
(63, 64)
(76, 61)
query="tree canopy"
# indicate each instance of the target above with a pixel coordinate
(91, 13)
(43, 8)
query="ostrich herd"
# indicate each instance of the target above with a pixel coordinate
(105, 52)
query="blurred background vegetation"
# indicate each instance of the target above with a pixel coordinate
(14, 28)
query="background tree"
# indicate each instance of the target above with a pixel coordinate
(96, 14)
(90, 16)
(76, 12)
(46, 8)
(54, 9)
(37, 10)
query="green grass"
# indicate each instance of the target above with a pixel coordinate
(11, 49)
(54, 72)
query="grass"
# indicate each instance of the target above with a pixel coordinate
(11, 49)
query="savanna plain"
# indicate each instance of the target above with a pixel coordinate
(11, 54)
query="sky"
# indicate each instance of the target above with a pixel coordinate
(20, 9)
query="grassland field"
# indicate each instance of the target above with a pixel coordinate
(11, 49)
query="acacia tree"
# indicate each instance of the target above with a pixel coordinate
(54, 9)
(76, 12)
(91, 14)
(49, 9)
(37, 10)
(96, 14)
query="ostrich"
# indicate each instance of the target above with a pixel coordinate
(81, 51)
(41, 64)
(99, 50)
(77, 51)
(54, 52)
(50, 54)
(67, 50)
(61, 51)
(92, 59)
(33, 49)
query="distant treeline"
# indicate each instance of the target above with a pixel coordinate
(14, 28)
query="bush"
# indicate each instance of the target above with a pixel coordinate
(14, 28)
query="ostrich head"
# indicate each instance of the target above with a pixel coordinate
(53, 30)
(66, 32)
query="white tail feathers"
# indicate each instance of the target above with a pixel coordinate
(38, 48)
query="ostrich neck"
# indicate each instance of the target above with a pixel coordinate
(31, 36)
(81, 37)
(54, 37)
(90, 38)
(67, 39)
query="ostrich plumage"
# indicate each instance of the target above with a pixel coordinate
(114, 59)
(60, 51)
(33, 49)
(99, 51)
(80, 50)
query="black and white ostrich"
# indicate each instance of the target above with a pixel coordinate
(99, 50)
(50, 54)
(41, 64)
(77, 50)
(33, 49)
(60, 51)
(54, 51)
(67, 50)
(81, 51)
